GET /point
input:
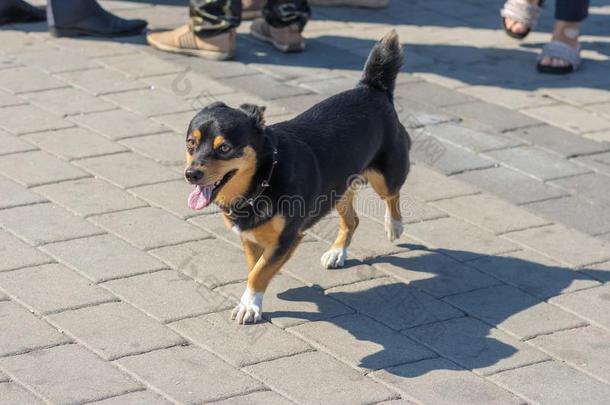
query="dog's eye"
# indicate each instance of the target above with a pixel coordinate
(224, 149)
(190, 143)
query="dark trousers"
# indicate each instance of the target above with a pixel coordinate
(211, 17)
(571, 10)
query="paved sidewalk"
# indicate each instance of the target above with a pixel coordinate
(113, 292)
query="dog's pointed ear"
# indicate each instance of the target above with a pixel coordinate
(257, 113)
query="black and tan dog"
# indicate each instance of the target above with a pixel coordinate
(274, 182)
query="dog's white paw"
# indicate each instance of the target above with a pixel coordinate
(250, 307)
(334, 258)
(393, 228)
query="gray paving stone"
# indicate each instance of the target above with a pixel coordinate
(4, 377)
(74, 143)
(149, 228)
(56, 61)
(439, 381)
(474, 140)
(178, 122)
(43, 223)
(22, 332)
(593, 186)
(515, 99)
(534, 273)
(563, 244)
(264, 86)
(202, 261)
(288, 302)
(37, 168)
(149, 102)
(138, 65)
(134, 398)
(20, 42)
(189, 84)
(101, 81)
(168, 149)
(171, 196)
(412, 208)
(492, 213)
(421, 178)
(190, 375)
(575, 212)
(393, 303)
(68, 101)
(26, 79)
(432, 94)
(168, 295)
(118, 124)
(362, 342)
(257, 398)
(21, 254)
(214, 224)
(514, 311)
(503, 182)
(92, 47)
(476, 346)
(8, 100)
(416, 115)
(24, 119)
(13, 194)
(320, 377)
(444, 156)
(12, 144)
(566, 144)
(600, 271)
(598, 162)
(89, 196)
(52, 288)
(536, 162)
(12, 393)
(591, 304)
(492, 116)
(115, 330)
(570, 117)
(305, 265)
(127, 169)
(459, 239)
(433, 272)
(329, 85)
(364, 245)
(553, 383)
(68, 374)
(236, 344)
(104, 257)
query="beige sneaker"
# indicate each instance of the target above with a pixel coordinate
(252, 9)
(183, 40)
(285, 39)
(350, 3)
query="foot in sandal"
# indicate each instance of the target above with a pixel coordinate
(562, 54)
(520, 17)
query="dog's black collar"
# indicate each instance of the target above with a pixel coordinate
(260, 189)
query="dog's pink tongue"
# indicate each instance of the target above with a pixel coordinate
(200, 197)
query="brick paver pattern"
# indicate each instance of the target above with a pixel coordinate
(113, 292)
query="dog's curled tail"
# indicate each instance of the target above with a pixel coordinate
(383, 64)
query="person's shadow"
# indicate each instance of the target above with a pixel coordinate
(395, 314)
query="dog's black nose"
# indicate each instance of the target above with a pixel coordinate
(193, 175)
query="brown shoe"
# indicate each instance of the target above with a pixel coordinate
(350, 3)
(285, 39)
(252, 9)
(183, 40)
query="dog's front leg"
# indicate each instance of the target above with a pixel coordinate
(250, 307)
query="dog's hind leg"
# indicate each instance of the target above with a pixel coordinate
(348, 222)
(393, 217)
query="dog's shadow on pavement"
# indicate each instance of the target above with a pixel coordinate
(410, 323)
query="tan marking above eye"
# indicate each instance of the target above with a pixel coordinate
(219, 140)
(197, 135)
